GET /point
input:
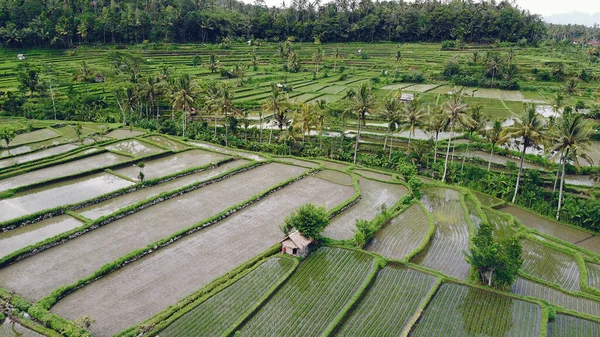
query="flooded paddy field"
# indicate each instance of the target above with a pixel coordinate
(13, 329)
(550, 265)
(114, 204)
(37, 155)
(487, 200)
(451, 238)
(124, 133)
(59, 194)
(134, 147)
(62, 170)
(31, 137)
(526, 287)
(228, 151)
(24, 236)
(546, 226)
(592, 244)
(164, 141)
(401, 235)
(334, 165)
(13, 151)
(299, 162)
(373, 196)
(77, 258)
(375, 175)
(163, 166)
(146, 286)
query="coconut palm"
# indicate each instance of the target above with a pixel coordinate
(391, 114)
(289, 136)
(478, 125)
(531, 131)
(413, 115)
(277, 105)
(558, 101)
(456, 112)
(572, 142)
(306, 118)
(436, 123)
(225, 107)
(495, 136)
(363, 102)
(185, 95)
(318, 59)
(336, 56)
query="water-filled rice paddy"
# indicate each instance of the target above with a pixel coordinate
(31, 137)
(550, 265)
(77, 258)
(58, 194)
(451, 238)
(114, 204)
(546, 226)
(37, 155)
(571, 326)
(124, 133)
(401, 235)
(13, 329)
(148, 285)
(375, 196)
(164, 141)
(134, 147)
(62, 170)
(228, 151)
(163, 166)
(13, 151)
(24, 236)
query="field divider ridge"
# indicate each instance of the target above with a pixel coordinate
(378, 264)
(69, 235)
(421, 308)
(428, 237)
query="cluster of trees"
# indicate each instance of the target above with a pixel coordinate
(488, 70)
(62, 24)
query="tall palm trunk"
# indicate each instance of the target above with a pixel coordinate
(435, 147)
(520, 171)
(448, 151)
(215, 123)
(261, 127)
(409, 138)
(557, 172)
(270, 136)
(357, 139)
(391, 147)
(562, 181)
(491, 156)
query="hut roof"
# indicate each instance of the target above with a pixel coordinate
(296, 240)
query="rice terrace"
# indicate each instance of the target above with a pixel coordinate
(220, 168)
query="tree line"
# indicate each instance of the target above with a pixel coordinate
(25, 23)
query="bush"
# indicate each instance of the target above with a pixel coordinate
(310, 220)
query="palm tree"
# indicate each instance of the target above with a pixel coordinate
(438, 121)
(478, 125)
(185, 96)
(336, 55)
(572, 138)
(456, 111)
(530, 129)
(391, 114)
(277, 105)
(289, 136)
(224, 107)
(558, 101)
(362, 103)
(306, 119)
(494, 64)
(413, 115)
(212, 103)
(495, 137)
(318, 59)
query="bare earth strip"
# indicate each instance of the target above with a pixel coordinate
(114, 204)
(171, 164)
(374, 195)
(402, 235)
(24, 236)
(37, 155)
(59, 194)
(62, 170)
(141, 289)
(66, 263)
(451, 238)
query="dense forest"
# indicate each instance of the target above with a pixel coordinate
(63, 23)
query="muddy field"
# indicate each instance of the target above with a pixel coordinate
(59, 194)
(37, 155)
(134, 147)
(374, 195)
(155, 168)
(77, 258)
(24, 236)
(114, 204)
(143, 288)
(62, 170)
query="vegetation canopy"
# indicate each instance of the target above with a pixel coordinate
(310, 220)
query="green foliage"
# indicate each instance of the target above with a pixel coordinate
(7, 133)
(498, 262)
(310, 220)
